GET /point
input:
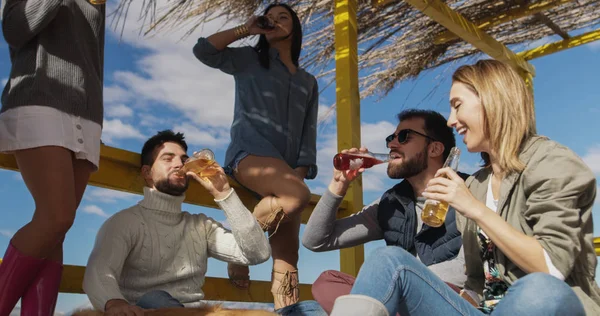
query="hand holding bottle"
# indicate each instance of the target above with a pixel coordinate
(449, 188)
(342, 178)
(259, 25)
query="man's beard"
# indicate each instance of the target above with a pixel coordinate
(409, 168)
(167, 187)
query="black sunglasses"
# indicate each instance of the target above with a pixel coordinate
(403, 136)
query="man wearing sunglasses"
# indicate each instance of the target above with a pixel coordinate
(418, 147)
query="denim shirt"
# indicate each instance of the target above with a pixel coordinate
(275, 111)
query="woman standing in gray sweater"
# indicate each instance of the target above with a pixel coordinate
(51, 120)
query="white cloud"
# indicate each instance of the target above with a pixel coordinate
(118, 110)
(93, 209)
(594, 46)
(4, 81)
(6, 233)
(169, 74)
(592, 158)
(326, 114)
(115, 94)
(205, 136)
(103, 195)
(115, 129)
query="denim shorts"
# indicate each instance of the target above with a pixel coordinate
(303, 308)
(231, 168)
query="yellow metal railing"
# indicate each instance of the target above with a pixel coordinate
(120, 170)
(215, 289)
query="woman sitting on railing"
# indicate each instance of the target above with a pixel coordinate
(273, 135)
(525, 218)
(51, 119)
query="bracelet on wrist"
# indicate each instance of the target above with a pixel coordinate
(241, 31)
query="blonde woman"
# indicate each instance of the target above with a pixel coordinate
(51, 120)
(525, 218)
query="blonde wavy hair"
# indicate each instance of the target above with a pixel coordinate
(509, 113)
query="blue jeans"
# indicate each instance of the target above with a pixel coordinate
(157, 299)
(304, 308)
(406, 286)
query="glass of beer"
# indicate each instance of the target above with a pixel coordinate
(434, 212)
(201, 163)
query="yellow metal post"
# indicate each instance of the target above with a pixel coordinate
(465, 29)
(555, 47)
(348, 111)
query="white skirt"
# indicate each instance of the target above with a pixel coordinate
(28, 127)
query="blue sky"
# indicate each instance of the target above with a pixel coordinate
(153, 83)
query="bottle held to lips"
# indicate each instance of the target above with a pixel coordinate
(354, 161)
(201, 163)
(434, 212)
(264, 23)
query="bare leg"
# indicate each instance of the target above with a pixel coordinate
(279, 184)
(284, 248)
(56, 182)
(82, 170)
(283, 190)
(49, 176)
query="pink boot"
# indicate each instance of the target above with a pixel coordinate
(17, 271)
(40, 297)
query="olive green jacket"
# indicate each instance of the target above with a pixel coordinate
(550, 200)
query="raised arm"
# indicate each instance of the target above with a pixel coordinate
(214, 52)
(324, 232)
(246, 243)
(22, 20)
(558, 187)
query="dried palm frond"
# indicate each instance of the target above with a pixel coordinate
(396, 41)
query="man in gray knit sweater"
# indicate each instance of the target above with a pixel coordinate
(419, 147)
(154, 255)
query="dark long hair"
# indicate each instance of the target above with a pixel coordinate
(263, 45)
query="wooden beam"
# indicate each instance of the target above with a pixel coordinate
(459, 25)
(380, 3)
(348, 111)
(510, 15)
(552, 48)
(120, 170)
(555, 28)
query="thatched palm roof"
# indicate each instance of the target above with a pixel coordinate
(396, 41)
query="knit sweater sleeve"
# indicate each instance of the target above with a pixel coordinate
(22, 20)
(113, 244)
(246, 243)
(324, 232)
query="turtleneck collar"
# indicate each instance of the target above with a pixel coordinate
(156, 200)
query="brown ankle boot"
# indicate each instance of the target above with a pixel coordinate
(285, 288)
(274, 219)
